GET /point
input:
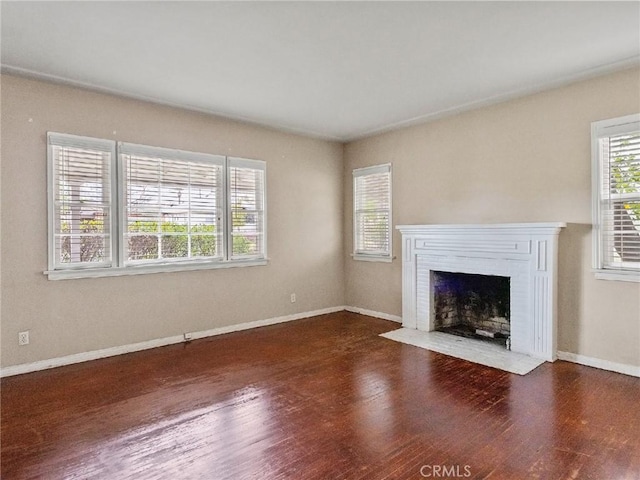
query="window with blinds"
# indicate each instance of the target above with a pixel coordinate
(123, 208)
(173, 204)
(372, 212)
(81, 201)
(616, 152)
(246, 205)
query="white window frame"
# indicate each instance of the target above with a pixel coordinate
(118, 266)
(63, 140)
(129, 149)
(236, 162)
(364, 255)
(600, 130)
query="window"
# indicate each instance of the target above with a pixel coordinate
(372, 213)
(246, 209)
(81, 203)
(173, 205)
(616, 198)
(118, 209)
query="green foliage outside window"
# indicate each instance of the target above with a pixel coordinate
(146, 236)
(91, 247)
(144, 239)
(625, 178)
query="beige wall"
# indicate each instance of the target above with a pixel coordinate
(526, 160)
(304, 181)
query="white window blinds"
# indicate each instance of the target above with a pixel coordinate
(246, 208)
(372, 211)
(617, 193)
(122, 209)
(173, 204)
(81, 201)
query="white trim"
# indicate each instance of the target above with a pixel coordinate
(160, 342)
(537, 228)
(619, 275)
(373, 170)
(372, 313)
(148, 151)
(372, 258)
(56, 139)
(51, 249)
(623, 368)
(153, 268)
(615, 126)
(252, 164)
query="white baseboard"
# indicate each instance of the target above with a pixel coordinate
(160, 342)
(601, 364)
(371, 313)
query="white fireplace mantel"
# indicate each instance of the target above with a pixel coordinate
(527, 253)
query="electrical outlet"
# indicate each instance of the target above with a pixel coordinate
(293, 298)
(188, 336)
(23, 338)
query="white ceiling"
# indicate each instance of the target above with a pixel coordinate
(335, 70)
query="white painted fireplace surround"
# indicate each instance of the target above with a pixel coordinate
(527, 253)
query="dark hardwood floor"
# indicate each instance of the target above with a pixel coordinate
(321, 398)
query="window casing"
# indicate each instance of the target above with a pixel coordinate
(616, 198)
(82, 199)
(372, 213)
(246, 209)
(121, 209)
(172, 205)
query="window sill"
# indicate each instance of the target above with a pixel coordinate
(619, 275)
(147, 269)
(373, 258)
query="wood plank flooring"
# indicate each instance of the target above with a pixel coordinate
(321, 398)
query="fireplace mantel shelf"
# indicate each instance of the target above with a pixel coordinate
(527, 253)
(495, 228)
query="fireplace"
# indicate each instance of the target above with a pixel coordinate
(523, 254)
(472, 306)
